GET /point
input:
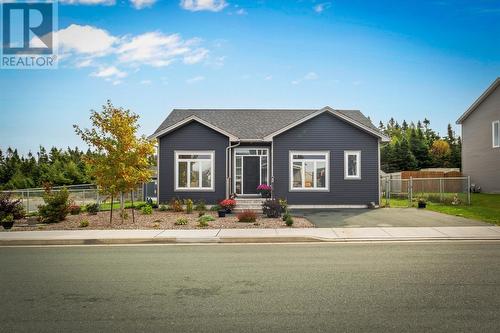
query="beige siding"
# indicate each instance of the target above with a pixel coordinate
(480, 160)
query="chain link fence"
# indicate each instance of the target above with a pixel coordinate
(446, 190)
(78, 194)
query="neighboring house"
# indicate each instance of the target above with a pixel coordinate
(481, 140)
(322, 158)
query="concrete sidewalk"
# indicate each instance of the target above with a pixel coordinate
(82, 237)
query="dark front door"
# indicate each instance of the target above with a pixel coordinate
(251, 169)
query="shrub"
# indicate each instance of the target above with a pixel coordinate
(84, 224)
(139, 206)
(176, 205)
(147, 210)
(200, 214)
(203, 220)
(247, 216)
(215, 208)
(92, 208)
(7, 218)
(124, 215)
(289, 221)
(151, 203)
(56, 206)
(272, 208)
(189, 206)
(181, 221)
(75, 209)
(283, 204)
(285, 216)
(228, 204)
(163, 208)
(10, 207)
(200, 206)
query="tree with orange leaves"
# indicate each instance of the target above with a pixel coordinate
(119, 160)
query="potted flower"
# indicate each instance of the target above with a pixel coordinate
(8, 221)
(264, 190)
(228, 205)
(422, 203)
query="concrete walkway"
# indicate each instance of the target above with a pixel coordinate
(82, 237)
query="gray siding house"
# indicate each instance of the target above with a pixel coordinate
(481, 140)
(313, 158)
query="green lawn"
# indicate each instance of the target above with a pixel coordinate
(484, 207)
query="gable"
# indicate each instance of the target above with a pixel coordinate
(484, 96)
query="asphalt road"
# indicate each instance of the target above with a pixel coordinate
(389, 287)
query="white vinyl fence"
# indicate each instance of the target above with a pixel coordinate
(81, 195)
(445, 190)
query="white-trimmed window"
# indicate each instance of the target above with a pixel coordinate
(194, 170)
(495, 133)
(309, 170)
(352, 164)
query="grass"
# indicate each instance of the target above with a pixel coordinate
(484, 207)
(116, 205)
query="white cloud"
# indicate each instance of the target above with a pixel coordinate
(110, 73)
(241, 11)
(195, 79)
(268, 77)
(199, 5)
(146, 82)
(308, 77)
(321, 7)
(311, 76)
(140, 4)
(84, 63)
(159, 50)
(196, 56)
(88, 2)
(85, 39)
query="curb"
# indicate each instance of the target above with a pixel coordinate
(228, 240)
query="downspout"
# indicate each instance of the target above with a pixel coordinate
(229, 167)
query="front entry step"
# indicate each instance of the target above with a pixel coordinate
(253, 204)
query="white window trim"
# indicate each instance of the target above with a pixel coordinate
(309, 189)
(176, 172)
(357, 153)
(493, 133)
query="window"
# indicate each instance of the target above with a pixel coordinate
(495, 133)
(194, 170)
(352, 164)
(309, 171)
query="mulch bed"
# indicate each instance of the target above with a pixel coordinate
(157, 220)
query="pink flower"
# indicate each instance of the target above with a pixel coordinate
(264, 187)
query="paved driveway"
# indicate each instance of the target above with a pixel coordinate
(383, 217)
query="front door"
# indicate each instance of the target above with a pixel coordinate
(251, 176)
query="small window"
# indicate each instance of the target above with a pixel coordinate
(309, 171)
(495, 132)
(194, 170)
(352, 165)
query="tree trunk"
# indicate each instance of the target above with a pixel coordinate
(111, 215)
(133, 208)
(122, 206)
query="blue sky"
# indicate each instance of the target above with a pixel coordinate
(401, 59)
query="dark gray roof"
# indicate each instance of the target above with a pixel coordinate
(247, 124)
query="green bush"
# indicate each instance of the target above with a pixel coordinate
(140, 205)
(56, 206)
(7, 218)
(200, 214)
(147, 210)
(10, 207)
(215, 208)
(189, 206)
(163, 208)
(203, 220)
(181, 221)
(84, 224)
(289, 221)
(285, 216)
(272, 208)
(200, 206)
(92, 209)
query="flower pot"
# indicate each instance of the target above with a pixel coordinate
(228, 210)
(265, 194)
(422, 205)
(7, 225)
(222, 213)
